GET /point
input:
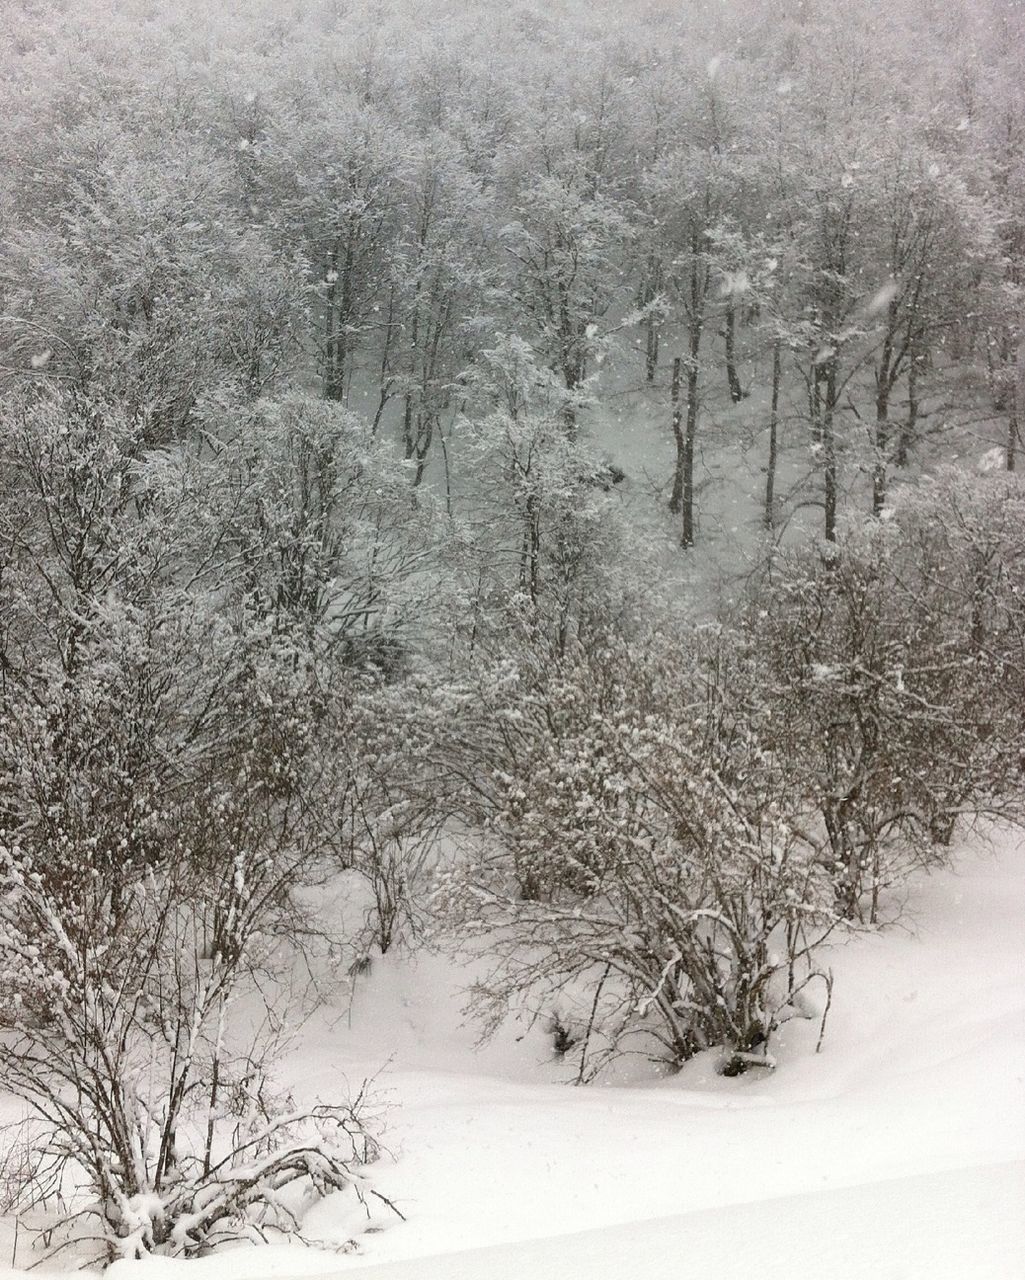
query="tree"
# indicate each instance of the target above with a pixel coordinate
(892, 715)
(330, 170)
(155, 751)
(1002, 127)
(313, 515)
(690, 190)
(140, 287)
(931, 233)
(441, 269)
(544, 493)
(123, 1044)
(565, 246)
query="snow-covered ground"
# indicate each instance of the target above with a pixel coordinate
(898, 1151)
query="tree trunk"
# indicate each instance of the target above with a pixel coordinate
(770, 470)
(530, 552)
(815, 404)
(387, 380)
(651, 347)
(695, 326)
(909, 427)
(573, 374)
(1017, 399)
(882, 445)
(887, 372)
(676, 499)
(337, 319)
(687, 533)
(408, 438)
(343, 331)
(652, 325)
(424, 438)
(332, 387)
(829, 453)
(736, 391)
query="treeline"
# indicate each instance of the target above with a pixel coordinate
(202, 205)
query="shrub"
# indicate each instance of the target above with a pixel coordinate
(891, 663)
(641, 844)
(155, 1117)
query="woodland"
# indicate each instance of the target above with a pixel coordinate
(550, 467)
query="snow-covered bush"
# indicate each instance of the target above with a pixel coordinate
(381, 814)
(155, 1119)
(962, 580)
(641, 844)
(151, 848)
(830, 661)
(161, 782)
(891, 663)
(313, 521)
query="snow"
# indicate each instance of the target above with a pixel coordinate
(898, 1151)
(914, 1227)
(994, 459)
(930, 1226)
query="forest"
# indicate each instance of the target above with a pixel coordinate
(549, 468)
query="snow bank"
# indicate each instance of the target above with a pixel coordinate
(952, 1226)
(896, 1152)
(949, 1226)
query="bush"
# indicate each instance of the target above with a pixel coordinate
(159, 734)
(155, 1119)
(641, 844)
(891, 662)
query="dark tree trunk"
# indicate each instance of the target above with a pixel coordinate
(676, 499)
(815, 404)
(424, 439)
(882, 446)
(408, 437)
(770, 470)
(695, 327)
(909, 427)
(652, 323)
(651, 348)
(574, 377)
(530, 552)
(337, 319)
(881, 443)
(387, 380)
(829, 451)
(687, 532)
(332, 389)
(887, 372)
(736, 391)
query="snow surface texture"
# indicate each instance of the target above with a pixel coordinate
(896, 1152)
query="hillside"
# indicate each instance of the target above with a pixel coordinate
(512, 576)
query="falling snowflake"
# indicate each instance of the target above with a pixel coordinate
(882, 298)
